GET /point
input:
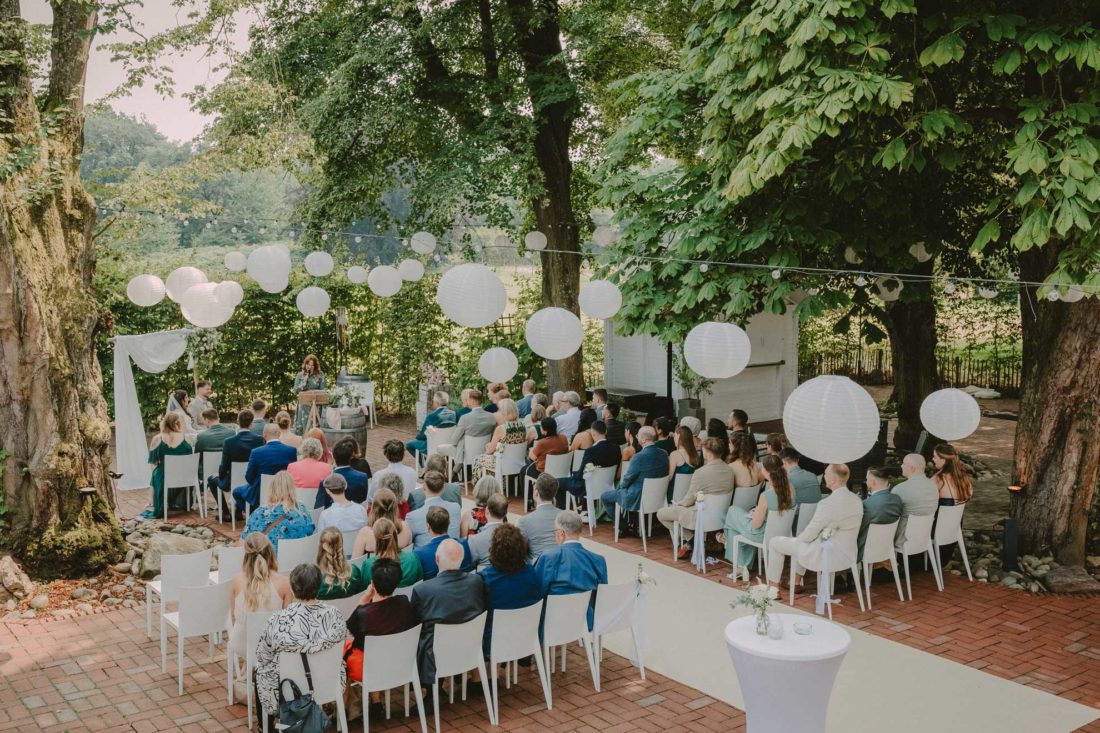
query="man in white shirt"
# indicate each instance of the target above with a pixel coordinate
(918, 493)
(568, 418)
(394, 451)
(344, 515)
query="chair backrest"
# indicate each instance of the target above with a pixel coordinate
(254, 625)
(457, 647)
(600, 480)
(265, 487)
(438, 437)
(778, 524)
(680, 485)
(307, 496)
(614, 607)
(315, 514)
(654, 494)
(949, 524)
(293, 553)
(566, 618)
(921, 440)
(211, 461)
(349, 541)
(181, 470)
(918, 533)
(407, 591)
(578, 456)
(512, 460)
(879, 545)
(806, 512)
(714, 511)
(230, 561)
(624, 468)
(747, 496)
(390, 661)
(473, 446)
(558, 466)
(237, 470)
(347, 605)
(184, 571)
(204, 609)
(515, 632)
(324, 668)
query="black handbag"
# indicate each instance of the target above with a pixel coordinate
(301, 714)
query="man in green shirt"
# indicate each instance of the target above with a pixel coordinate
(214, 434)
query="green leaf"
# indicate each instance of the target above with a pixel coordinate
(943, 51)
(991, 232)
(1008, 62)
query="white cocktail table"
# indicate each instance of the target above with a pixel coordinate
(786, 682)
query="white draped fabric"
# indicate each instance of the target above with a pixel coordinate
(633, 607)
(698, 552)
(152, 352)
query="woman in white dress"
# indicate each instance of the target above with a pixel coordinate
(258, 587)
(177, 403)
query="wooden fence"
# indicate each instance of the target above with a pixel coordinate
(873, 365)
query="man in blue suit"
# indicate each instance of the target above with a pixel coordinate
(602, 454)
(649, 462)
(523, 404)
(569, 568)
(441, 416)
(439, 521)
(236, 448)
(358, 482)
(266, 460)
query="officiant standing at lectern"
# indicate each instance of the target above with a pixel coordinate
(310, 378)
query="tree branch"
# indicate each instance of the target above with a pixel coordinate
(74, 23)
(440, 87)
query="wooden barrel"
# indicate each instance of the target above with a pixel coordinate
(359, 433)
(353, 420)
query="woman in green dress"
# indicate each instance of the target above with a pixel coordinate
(750, 523)
(311, 377)
(339, 578)
(386, 546)
(168, 442)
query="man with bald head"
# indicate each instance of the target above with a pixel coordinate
(918, 494)
(452, 597)
(649, 462)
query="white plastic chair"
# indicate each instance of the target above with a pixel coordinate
(515, 635)
(806, 513)
(407, 591)
(949, 530)
(654, 498)
(211, 462)
(827, 575)
(237, 470)
(436, 438)
(292, 553)
(472, 447)
(578, 457)
(265, 492)
(367, 390)
(918, 541)
(599, 481)
(457, 650)
(615, 607)
(254, 625)
(182, 472)
(747, 496)
(203, 611)
(714, 519)
(230, 562)
(324, 668)
(680, 486)
(388, 662)
(566, 621)
(557, 466)
(509, 464)
(307, 497)
(349, 541)
(347, 605)
(315, 515)
(778, 524)
(176, 571)
(879, 547)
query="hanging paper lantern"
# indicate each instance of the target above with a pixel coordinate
(604, 236)
(181, 279)
(277, 285)
(319, 264)
(384, 281)
(950, 414)
(357, 274)
(1073, 294)
(502, 241)
(471, 295)
(235, 261)
(423, 243)
(535, 241)
(717, 350)
(145, 290)
(411, 270)
(268, 264)
(601, 217)
(851, 257)
(987, 293)
(600, 299)
(201, 307)
(889, 288)
(313, 301)
(554, 333)
(831, 419)
(919, 253)
(498, 364)
(229, 293)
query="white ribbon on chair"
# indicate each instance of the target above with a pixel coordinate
(830, 552)
(698, 551)
(635, 607)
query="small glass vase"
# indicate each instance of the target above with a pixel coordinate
(762, 622)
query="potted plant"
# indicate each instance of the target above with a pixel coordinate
(345, 407)
(695, 388)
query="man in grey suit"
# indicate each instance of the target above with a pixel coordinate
(807, 488)
(452, 597)
(538, 526)
(918, 493)
(476, 424)
(880, 506)
(497, 510)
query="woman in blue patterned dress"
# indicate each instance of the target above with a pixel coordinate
(282, 517)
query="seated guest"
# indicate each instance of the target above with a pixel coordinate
(569, 568)
(394, 451)
(551, 444)
(556, 404)
(485, 487)
(599, 403)
(452, 490)
(380, 613)
(257, 587)
(633, 447)
(742, 458)
(616, 430)
(582, 439)
(777, 497)
(463, 404)
(237, 448)
(286, 431)
(306, 625)
(418, 519)
(213, 435)
(358, 482)
(918, 493)
(602, 454)
(344, 515)
(438, 521)
(717, 429)
(650, 462)
(267, 460)
(309, 470)
(477, 423)
(359, 463)
(523, 404)
(534, 422)
(665, 426)
(452, 597)
(880, 506)
(951, 477)
(259, 419)
(282, 517)
(510, 581)
(387, 547)
(395, 485)
(538, 526)
(510, 431)
(569, 415)
(496, 509)
(683, 459)
(319, 435)
(807, 489)
(384, 506)
(739, 423)
(775, 443)
(714, 478)
(339, 578)
(441, 416)
(496, 392)
(693, 424)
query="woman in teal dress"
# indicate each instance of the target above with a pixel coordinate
(750, 523)
(311, 377)
(386, 547)
(685, 459)
(168, 442)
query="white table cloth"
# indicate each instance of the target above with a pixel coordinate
(786, 683)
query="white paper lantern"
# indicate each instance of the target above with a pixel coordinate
(181, 279)
(950, 414)
(498, 364)
(717, 350)
(201, 307)
(831, 419)
(319, 264)
(384, 281)
(145, 290)
(313, 301)
(535, 241)
(604, 236)
(229, 293)
(919, 253)
(502, 241)
(1073, 294)
(422, 243)
(471, 295)
(235, 261)
(600, 299)
(411, 270)
(277, 285)
(357, 274)
(889, 288)
(554, 333)
(268, 264)
(851, 257)
(987, 293)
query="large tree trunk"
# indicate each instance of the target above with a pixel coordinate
(911, 324)
(53, 418)
(1057, 457)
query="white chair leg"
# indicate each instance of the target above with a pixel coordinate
(419, 707)
(544, 676)
(179, 660)
(163, 645)
(148, 612)
(966, 560)
(866, 582)
(642, 530)
(435, 701)
(638, 653)
(933, 555)
(228, 678)
(675, 533)
(485, 691)
(897, 581)
(792, 582)
(859, 591)
(908, 585)
(617, 507)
